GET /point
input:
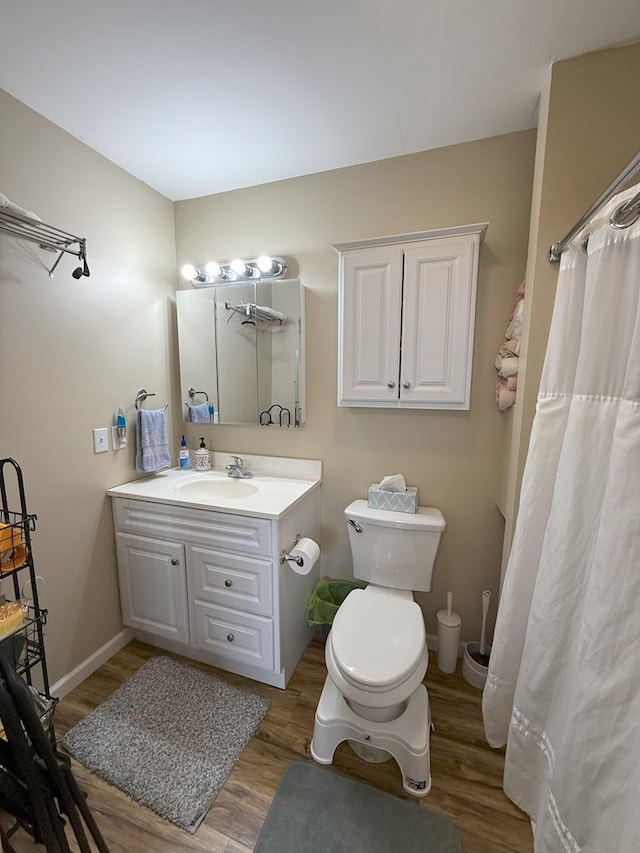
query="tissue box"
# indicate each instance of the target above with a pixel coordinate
(393, 501)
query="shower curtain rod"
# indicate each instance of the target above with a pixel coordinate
(556, 250)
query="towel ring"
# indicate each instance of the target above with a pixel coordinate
(142, 395)
(192, 393)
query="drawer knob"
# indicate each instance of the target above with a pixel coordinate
(175, 562)
(230, 638)
(228, 583)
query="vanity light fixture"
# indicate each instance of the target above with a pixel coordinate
(195, 276)
(243, 269)
(238, 270)
(272, 267)
(214, 269)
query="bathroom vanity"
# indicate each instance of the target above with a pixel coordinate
(200, 566)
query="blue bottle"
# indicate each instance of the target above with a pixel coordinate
(183, 455)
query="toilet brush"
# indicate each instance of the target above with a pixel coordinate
(480, 656)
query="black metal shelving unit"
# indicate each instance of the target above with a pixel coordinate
(25, 646)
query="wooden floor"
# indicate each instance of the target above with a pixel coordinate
(466, 772)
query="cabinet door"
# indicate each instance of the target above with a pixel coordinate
(437, 323)
(369, 325)
(153, 586)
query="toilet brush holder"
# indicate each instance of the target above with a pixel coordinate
(449, 627)
(473, 670)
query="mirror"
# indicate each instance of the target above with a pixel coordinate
(242, 353)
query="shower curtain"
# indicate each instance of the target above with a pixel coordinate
(563, 688)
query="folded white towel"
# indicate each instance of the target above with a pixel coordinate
(393, 483)
(199, 414)
(152, 446)
(15, 208)
(264, 311)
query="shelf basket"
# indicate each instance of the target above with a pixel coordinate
(23, 647)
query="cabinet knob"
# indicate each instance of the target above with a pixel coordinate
(230, 638)
(175, 561)
(391, 384)
(228, 583)
(406, 384)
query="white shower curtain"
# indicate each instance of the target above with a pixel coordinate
(563, 690)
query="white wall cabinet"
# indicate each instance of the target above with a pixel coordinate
(406, 319)
(209, 584)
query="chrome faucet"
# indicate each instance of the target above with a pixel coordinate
(237, 469)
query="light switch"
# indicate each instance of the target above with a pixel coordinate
(100, 440)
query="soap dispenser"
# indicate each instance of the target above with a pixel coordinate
(203, 457)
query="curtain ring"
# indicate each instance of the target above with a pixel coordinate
(626, 214)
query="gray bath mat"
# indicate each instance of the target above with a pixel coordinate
(317, 811)
(169, 737)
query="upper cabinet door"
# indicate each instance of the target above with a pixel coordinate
(406, 319)
(369, 325)
(438, 321)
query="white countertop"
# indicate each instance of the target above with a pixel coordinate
(273, 495)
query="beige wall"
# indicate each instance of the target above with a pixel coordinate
(589, 130)
(72, 352)
(455, 458)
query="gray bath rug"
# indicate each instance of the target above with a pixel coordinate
(169, 737)
(317, 811)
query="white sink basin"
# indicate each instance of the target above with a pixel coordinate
(209, 488)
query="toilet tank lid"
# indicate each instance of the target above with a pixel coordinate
(426, 518)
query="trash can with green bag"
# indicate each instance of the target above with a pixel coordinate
(327, 596)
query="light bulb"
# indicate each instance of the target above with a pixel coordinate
(213, 268)
(265, 264)
(238, 266)
(189, 272)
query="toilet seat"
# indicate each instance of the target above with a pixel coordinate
(378, 638)
(376, 650)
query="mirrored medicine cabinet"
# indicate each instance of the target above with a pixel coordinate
(242, 351)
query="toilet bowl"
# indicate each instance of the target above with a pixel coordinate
(376, 652)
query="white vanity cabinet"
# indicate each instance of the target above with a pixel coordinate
(406, 319)
(209, 584)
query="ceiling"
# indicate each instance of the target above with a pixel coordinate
(202, 96)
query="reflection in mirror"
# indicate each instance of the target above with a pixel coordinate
(242, 353)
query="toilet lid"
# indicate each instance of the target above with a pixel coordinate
(377, 640)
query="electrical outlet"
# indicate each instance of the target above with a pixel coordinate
(100, 440)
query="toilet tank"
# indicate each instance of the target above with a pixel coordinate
(394, 549)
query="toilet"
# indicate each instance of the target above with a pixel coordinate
(376, 651)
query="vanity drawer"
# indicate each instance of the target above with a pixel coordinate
(232, 580)
(226, 531)
(234, 635)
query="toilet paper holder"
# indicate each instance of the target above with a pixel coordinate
(284, 557)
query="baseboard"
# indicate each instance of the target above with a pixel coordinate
(68, 682)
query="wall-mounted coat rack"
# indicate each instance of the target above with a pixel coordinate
(18, 223)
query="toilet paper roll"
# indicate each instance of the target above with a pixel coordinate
(306, 550)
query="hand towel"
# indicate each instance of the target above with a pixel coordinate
(199, 414)
(152, 450)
